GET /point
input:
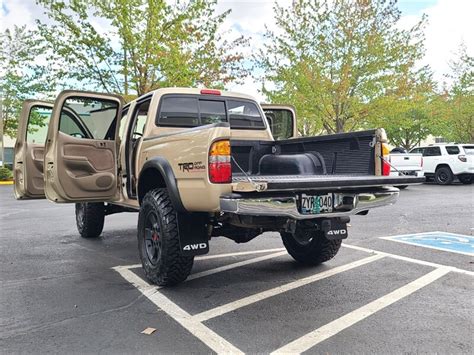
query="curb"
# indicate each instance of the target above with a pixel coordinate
(6, 182)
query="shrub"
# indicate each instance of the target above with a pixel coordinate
(5, 173)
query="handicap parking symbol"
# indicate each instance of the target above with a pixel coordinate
(456, 243)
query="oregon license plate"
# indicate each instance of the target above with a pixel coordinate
(315, 204)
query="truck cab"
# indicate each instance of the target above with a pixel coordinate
(198, 164)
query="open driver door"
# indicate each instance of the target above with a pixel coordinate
(80, 161)
(282, 120)
(29, 149)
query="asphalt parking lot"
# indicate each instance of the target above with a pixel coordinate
(61, 293)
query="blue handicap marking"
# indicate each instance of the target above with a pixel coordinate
(456, 243)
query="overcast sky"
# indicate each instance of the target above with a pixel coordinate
(450, 22)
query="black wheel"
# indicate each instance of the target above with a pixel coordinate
(158, 241)
(310, 247)
(444, 176)
(402, 187)
(90, 218)
(466, 180)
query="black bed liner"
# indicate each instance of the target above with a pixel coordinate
(321, 182)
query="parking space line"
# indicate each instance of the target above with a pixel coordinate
(196, 328)
(218, 311)
(326, 331)
(234, 265)
(410, 260)
(217, 256)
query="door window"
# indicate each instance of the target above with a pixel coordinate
(281, 123)
(432, 152)
(38, 121)
(89, 118)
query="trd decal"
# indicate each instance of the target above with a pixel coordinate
(191, 167)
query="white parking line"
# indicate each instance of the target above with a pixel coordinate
(234, 265)
(218, 256)
(196, 328)
(326, 331)
(410, 260)
(218, 311)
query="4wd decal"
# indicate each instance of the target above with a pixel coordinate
(195, 246)
(192, 167)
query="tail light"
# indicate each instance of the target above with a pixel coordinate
(220, 170)
(422, 162)
(462, 158)
(385, 157)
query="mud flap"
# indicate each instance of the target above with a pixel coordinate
(335, 228)
(193, 236)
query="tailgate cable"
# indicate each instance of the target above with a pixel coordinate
(256, 186)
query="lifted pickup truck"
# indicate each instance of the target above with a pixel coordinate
(196, 164)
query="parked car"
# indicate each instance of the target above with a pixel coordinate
(444, 162)
(405, 164)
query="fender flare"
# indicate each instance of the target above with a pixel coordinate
(164, 168)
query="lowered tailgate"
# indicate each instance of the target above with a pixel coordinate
(318, 182)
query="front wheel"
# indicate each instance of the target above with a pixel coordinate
(90, 217)
(310, 247)
(158, 241)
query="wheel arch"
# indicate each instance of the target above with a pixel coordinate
(443, 165)
(157, 173)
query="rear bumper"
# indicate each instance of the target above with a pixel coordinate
(345, 204)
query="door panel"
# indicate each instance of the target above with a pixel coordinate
(81, 150)
(29, 149)
(282, 120)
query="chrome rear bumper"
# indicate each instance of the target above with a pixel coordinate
(345, 204)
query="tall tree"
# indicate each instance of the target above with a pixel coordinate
(21, 76)
(459, 109)
(330, 59)
(143, 44)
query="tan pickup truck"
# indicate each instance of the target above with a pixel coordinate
(196, 164)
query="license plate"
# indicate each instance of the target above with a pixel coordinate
(315, 204)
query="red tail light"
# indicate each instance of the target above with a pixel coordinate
(385, 158)
(220, 170)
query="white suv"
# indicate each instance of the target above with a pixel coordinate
(444, 162)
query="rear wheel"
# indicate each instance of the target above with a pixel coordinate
(90, 218)
(310, 247)
(444, 176)
(158, 241)
(466, 180)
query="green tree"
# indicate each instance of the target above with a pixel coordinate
(331, 59)
(147, 44)
(459, 109)
(21, 77)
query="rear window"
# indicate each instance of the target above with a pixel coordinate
(244, 114)
(468, 149)
(452, 150)
(193, 111)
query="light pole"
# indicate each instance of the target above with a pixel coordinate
(2, 150)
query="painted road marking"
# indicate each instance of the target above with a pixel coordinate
(326, 331)
(199, 330)
(455, 243)
(217, 256)
(232, 306)
(411, 260)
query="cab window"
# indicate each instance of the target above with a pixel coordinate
(281, 123)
